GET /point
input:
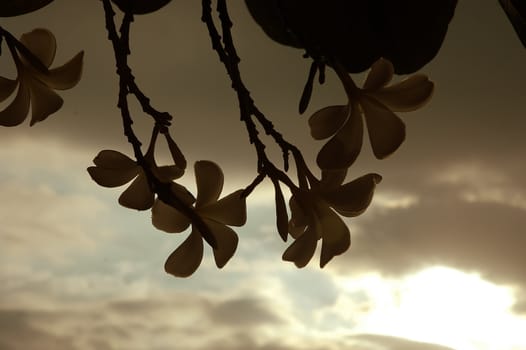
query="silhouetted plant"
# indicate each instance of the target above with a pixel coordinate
(348, 36)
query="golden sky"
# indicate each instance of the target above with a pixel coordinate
(436, 262)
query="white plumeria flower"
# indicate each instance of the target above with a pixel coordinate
(113, 169)
(216, 215)
(375, 102)
(35, 81)
(315, 216)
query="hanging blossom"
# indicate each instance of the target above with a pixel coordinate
(34, 80)
(114, 169)
(217, 214)
(375, 102)
(314, 215)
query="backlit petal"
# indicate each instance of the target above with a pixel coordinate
(111, 177)
(44, 101)
(386, 130)
(185, 260)
(41, 42)
(182, 193)
(65, 76)
(230, 210)
(299, 217)
(7, 87)
(209, 179)
(336, 238)
(331, 179)
(16, 112)
(167, 218)
(354, 197)
(300, 252)
(380, 74)
(110, 159)
(325, 122)
(169, 172)
(408, 95)
(282, 217)
(139, 195)
(343, 148)
(226, 240)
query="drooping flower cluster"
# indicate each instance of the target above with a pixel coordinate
(375, 103)
(114, 169)
(216, 213)
(33, 56)
(314, 215)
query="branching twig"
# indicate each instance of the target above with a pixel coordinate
(126, 86)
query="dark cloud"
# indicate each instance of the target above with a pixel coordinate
(382, 342)
(17, 332)
(483, 235)
(243, 312)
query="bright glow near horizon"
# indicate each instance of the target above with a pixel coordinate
(444, 306)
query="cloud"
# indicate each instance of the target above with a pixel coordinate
(447, 227)
(244, 312)
(17, 333)
(383, 342)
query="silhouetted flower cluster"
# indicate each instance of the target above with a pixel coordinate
(33, 55)
(315, 210)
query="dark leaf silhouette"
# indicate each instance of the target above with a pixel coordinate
(516, 12)
(408, 33)
(9, 8)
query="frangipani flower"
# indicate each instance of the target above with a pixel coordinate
(113, 169)
(35, 81)
(315, 216)
(216, 214)
(375, 102)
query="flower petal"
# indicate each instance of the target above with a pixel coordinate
(168, 219)
(7, 87)
(354, 197)
(380, 75)
(209, 179)
(138, 195)
(16, 112)
(386, 130)
(111, 177)
(65, 76)
(175, 151)
(114, 160)
(41, 42)
(185, 260)
(407, 95)
(298, 216)
(168, 172)
(44, 101)
(282, 217)
(336, 238)
(343, 148)
(326, 122)
(230, 210)
(226, 240)
(331, 179)
(182, 193)
(300, 252)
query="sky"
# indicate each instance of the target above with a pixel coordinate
(436, 262)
